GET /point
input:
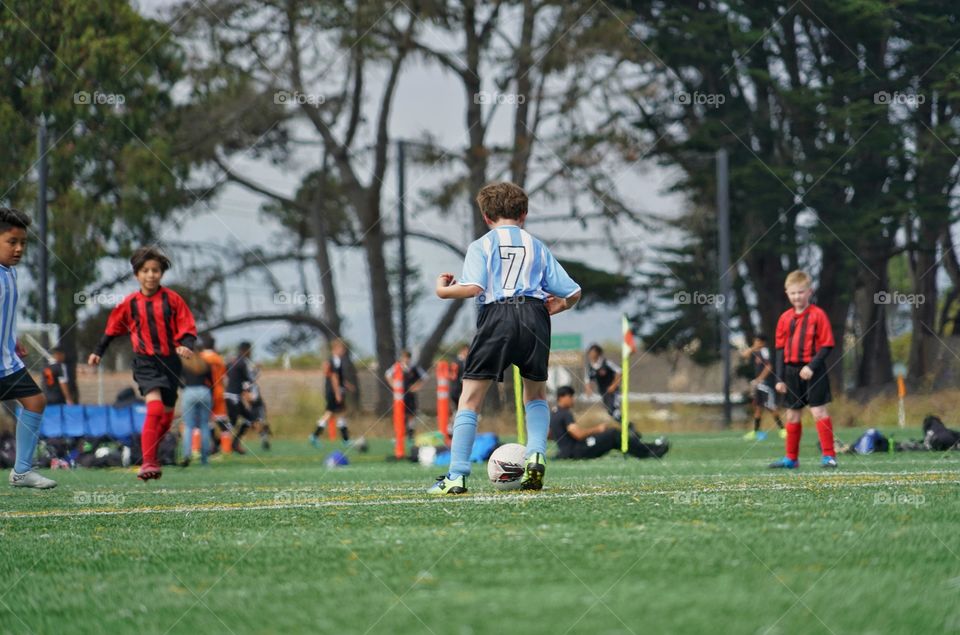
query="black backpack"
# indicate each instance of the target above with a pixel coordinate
(937, 436)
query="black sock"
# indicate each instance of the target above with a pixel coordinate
(756, 424)
(779, 423)
(344, 433)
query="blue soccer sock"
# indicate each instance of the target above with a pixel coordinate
(28, 433)
(538, 421)
(464, 431)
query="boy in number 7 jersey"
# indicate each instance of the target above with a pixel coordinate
(518, 285)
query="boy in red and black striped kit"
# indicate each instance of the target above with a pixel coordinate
(162, 330)
(803, 341)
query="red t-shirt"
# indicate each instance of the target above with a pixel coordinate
(801, 335)
(157, 324)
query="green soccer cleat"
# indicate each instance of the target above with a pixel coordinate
(750, 436)
(533, 474)
(447, 485)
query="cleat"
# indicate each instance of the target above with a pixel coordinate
(750, 436)
(761, 436)
(533, 473)
(31, 479)
(237, 447)
(149, 471)
(314, 441)
(784, 464)
(828, 462)
(447, 485)
(265, 443)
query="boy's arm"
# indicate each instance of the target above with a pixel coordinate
(819, 360)
(557, 305)
(449, 289)
(824, 343)
(563, 292)
(186, 334)
(780, 366)
(116, 326)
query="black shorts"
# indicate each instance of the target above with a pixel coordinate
(514, 332)
(332, 404)
(766, 396)
(158, 372)
(237, 409)
(800, 393)
(18, 385)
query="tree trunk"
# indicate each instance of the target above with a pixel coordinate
(834, 296)
(381, 302)
(875, 367)
(331, 309)
(924, 310)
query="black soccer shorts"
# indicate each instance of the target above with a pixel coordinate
(516, 331)
(158, 372)
(18, 385)
(812, 392)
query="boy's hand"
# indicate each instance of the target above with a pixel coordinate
(444, 280)
(183, 351)
(555, 305)
(806, 373)
(781, 387)
(94, 359)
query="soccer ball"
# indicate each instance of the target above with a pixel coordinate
(506, 465)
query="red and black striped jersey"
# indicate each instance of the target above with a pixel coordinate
(157, 324)
(801, 335)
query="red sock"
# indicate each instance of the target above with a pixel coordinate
(151, 432)
(825, 432)
(165, 423)
(794, 429)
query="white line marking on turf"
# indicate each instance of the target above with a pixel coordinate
(831, 481)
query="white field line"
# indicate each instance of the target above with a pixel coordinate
(290, 499)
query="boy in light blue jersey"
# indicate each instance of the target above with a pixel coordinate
(518, 284)
(15, 381)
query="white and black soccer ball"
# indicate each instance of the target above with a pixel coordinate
(506, 465)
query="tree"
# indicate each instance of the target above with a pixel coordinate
(101, 74)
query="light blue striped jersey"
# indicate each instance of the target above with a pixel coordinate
(508, 262)
(9, 361)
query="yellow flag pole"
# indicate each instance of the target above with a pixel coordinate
(518, 404)
(625, 387)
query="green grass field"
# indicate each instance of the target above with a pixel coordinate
(705, 541)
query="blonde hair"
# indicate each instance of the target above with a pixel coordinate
(798, 277)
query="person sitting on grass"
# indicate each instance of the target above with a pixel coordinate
(578, 442)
